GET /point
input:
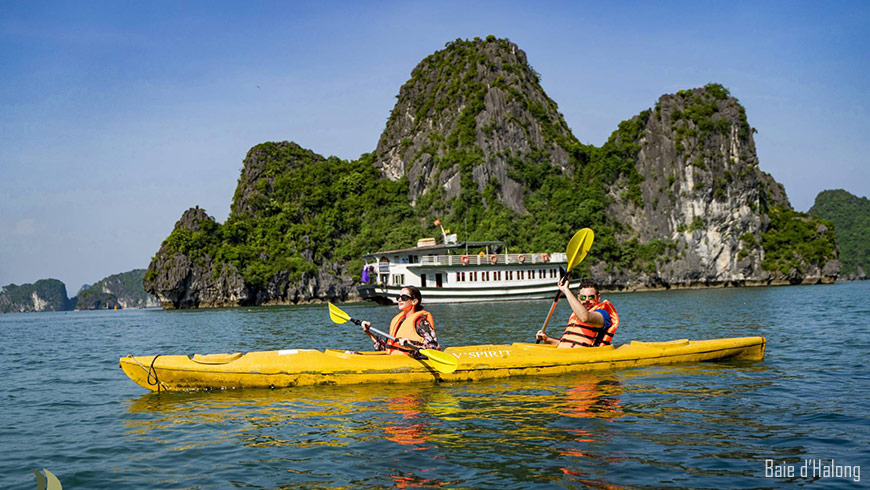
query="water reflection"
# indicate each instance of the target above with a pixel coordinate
(404, 435)
(406, 415)
(409, 429)
(595, 397)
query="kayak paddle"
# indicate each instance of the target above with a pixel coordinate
(578, 247)
(444, 363)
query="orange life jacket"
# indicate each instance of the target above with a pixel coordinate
(403, 325)
(583, 335)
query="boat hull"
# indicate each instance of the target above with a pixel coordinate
(301, 367)
(385, 295)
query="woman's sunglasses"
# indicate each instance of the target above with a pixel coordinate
(403, 297)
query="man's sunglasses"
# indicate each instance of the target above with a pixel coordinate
(403, 297)
(584, 298)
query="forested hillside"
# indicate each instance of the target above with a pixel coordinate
(42, 295)
(122, 290)
(850, 215)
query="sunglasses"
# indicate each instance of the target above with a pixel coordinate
(591, 297)
(403, 297)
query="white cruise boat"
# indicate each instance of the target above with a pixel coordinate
(461, 272)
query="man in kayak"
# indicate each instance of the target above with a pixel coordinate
(411, 326)
(593, 321)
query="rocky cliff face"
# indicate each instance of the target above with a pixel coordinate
(704, 193)
(180, 279)
(117, 291)
(204, 264)
(43, 295)
(477, 103)
(256, 189)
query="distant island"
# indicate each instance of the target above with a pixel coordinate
(117, 291)
(851, 217)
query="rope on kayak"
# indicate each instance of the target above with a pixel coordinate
(151, 373)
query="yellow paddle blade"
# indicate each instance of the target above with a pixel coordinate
(579, 246)
(443, 363)
(336, 315)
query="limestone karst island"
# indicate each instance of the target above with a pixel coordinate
(676, 196)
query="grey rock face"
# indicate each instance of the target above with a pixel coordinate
(702, 188)
(181, 281)
(476, 100)
(309, 288)
(256, 182)
(191, 279)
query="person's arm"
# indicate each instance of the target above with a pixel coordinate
(585, 316)
(377, 342)
(424, 329)
(546, 338)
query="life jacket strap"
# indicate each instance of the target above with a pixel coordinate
(597, 339)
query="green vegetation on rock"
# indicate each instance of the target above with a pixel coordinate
(796, 240)
(314, 212)
(851, 217)
(43, 295)
(122, 290)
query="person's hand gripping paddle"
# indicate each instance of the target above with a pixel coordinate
(441, 362)
(578, 247)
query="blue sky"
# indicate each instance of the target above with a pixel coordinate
(117, 116)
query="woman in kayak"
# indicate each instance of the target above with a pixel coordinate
(592, 323)
(411, 326)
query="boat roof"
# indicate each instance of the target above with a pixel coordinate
(433, 248)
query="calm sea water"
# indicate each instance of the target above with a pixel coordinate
(67, 407)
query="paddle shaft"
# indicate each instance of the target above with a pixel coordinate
(553, 307)
(577, 249)
(441, 362)
(385, 335)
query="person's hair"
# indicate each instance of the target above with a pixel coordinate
(415, 294)
(589, 283)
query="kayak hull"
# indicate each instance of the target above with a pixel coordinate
(301, 367)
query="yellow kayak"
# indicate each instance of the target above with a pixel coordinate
(300, 367)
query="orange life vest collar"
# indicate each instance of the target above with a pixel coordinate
(586, 335)
(404, 325)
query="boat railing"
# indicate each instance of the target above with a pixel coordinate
(492, 259)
